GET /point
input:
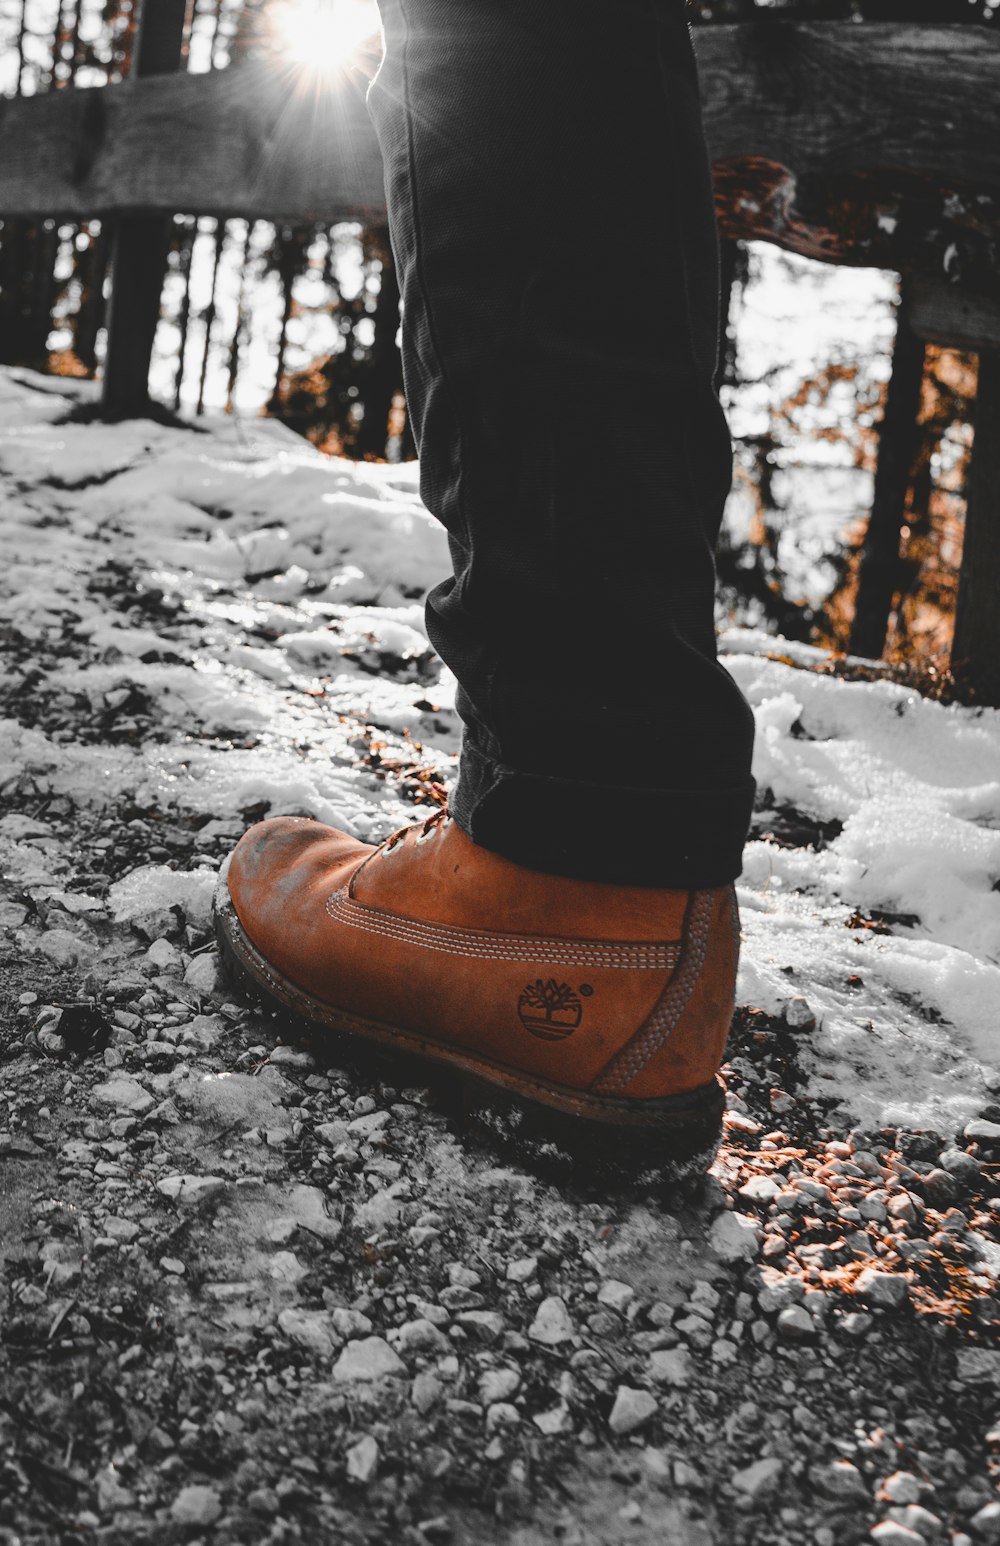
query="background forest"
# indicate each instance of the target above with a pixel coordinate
(301, 322)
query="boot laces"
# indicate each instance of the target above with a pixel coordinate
(437, 821)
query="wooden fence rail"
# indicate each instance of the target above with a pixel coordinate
(876, 143)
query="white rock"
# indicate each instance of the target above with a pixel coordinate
(498, 1385)
(522, 1270)
(759, 1189)
(615, 1295)
(915, 1517)
(420, 1336)
(371, 1358)
(204, 974)
(979, 1127)
(734, 1236)
(189, 1191)
(976, 1364)
(164, 955)
(285, 1267)
(760, 1479)
(555, 1420)
(501, 1415)
(799, 1015)
(889, 1533)
(986, 1522)
(670, 1366)
(425, 1391)
(795, 1322)
(885, 1289)
(309, 1329)
(362, 1460)
(291, 1057)
(552, 1323)
(126, 1094)
(840, 1479)
(122, 1230)
(196, 1505)
(901, 1487)
(632, 1408)
(351, 1323)
(64, 948)
(333, 1134)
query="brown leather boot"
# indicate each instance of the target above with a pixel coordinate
(605, 1006)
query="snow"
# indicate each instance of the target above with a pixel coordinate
(282, 637)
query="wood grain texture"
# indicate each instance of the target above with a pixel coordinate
(975, 652)
(816, 100)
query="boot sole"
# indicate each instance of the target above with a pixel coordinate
(655, 1140)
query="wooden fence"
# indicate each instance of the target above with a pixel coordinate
(876, 144)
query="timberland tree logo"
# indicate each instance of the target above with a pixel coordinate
(550, 1009)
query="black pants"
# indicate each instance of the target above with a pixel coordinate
(551, 215)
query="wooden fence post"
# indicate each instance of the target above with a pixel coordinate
(141, 242)
(897, 445)
(975, 651)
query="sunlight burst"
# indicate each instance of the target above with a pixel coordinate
(323, 36)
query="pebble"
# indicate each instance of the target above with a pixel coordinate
(309, 1329)
(885, 1290)
(425, 1391)
(975, 1364)
(914, 1517)
(799, 1015)
(483, 1325)
(370, 1358)
(552, 1323)
(126, 1094)
(555, 1420)
(497, 1385)
(734, 1236)
(762, 1189)
(889, 1532)
(982, 1129)
(615, 1295)
(670, 1366)
(841, 1481)
(189, 1191)
(420, 1336)
(203, 974)
(986, 1522)
(900, 1487)
(759, 1480)
(196, 1505)
(522, 1270)
(631, 1410)
(362, 1460)
(501, 1415)
(960, 1164)
(795, 1322)
(351, 1323)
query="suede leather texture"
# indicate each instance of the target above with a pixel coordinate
(540, 974)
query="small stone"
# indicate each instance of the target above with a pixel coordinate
(362, 1460)
(670, 1366)
(777, 1294)
(986, 1522)
(977, 1364)
(759, 1189)
(522, 1270)
(309, 1329)
(552, 1323)
(900, 1487)
(204, 974)
(420, 1336)
(122, 1230)
(917, 1518)
(759, 1480)
(483, 1325)
(189, 1191)
(632, 1408)
(164, 955)
(615, 1295)
(173, 1265)
(498, 1385)
(196, 1505)
(555, 1420)
(798, 1014)
(351, 1323)
(856, 1323)
(964, 1166)
(126, 1094)
(885, 1290)
(425, 1392)
(333, 1134)
(890, 1533)
(979, 1128)
(371, 1358)
(285, 1267)
(734, 1236)
(501, 1415)
(795, 1322)
(840, 1480)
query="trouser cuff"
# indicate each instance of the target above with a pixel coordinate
(683, 839)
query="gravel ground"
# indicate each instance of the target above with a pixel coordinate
(254, 1291)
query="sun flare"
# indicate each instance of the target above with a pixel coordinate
(324, 36)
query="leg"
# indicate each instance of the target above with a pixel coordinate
(537, 943)
(544, 163)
